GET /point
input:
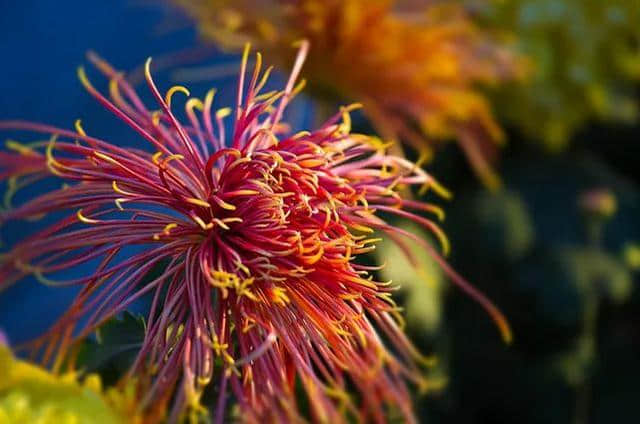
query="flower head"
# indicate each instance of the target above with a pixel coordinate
(259, 230)
(414, 65)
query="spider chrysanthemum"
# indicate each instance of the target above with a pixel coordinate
(258, 229)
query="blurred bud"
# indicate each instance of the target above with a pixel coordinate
(600, 202)
(4, 341)
(631, 255)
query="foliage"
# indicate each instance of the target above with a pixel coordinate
(586, 63)
(30, 394)
(570, 293)
(113, 350)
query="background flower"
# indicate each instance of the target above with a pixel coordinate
(29, 394)
(416, 66)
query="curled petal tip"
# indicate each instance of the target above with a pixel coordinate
(505, 330)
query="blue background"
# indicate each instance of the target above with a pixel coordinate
(42, 44)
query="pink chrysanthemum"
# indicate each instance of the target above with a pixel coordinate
(259, 231)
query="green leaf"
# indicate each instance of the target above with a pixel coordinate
(114, 348)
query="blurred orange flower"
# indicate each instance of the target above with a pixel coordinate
(415, 65)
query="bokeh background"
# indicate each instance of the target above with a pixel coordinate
(557, 249)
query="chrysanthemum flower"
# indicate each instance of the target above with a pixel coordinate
(414, 65)
(259, 230)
